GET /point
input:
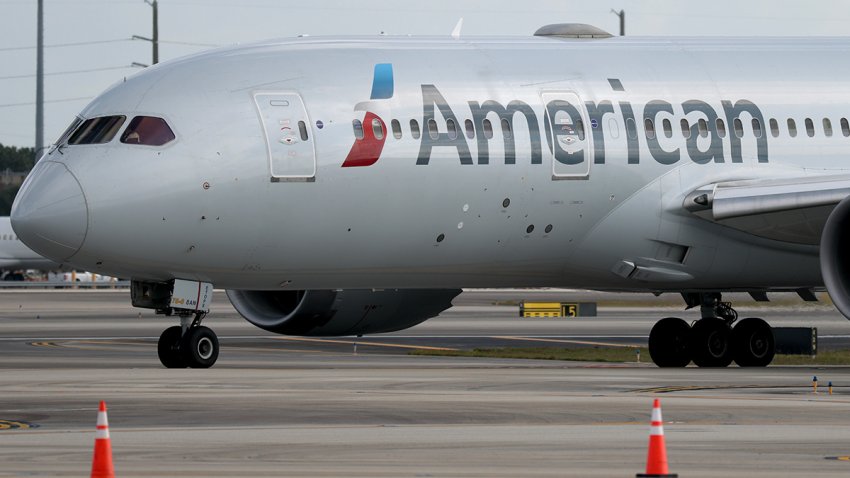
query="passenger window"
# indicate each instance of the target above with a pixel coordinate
(506, 129)
(452, 128)
(827, 127)
(702, 126)
(396, 126)
(488, 129)
(774, 127)
(613, 128)
(739, 128)
(845, 127)
(650, 128)
(470, 129)
(792, 128)
(756, 127)
(721, 128)
(579, 128)
(148, 131)
(358, 129)
(686, 130)
(810, 127)
(414, 129)
(377, 129)
(97, 130)
(302, 130)
(667, 127)
(433, 132)
(631, 127)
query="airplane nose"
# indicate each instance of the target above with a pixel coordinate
(50, 214)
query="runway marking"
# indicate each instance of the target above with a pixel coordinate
(690, 388)
(15, 425)
(45, 344)
(110, 342)
(563, 341)
(107, 344)
(365, 343)
(301, 351)
(84, 344)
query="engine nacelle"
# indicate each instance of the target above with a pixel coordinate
(835, 256)
(343, 312)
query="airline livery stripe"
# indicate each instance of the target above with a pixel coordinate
(382, 82)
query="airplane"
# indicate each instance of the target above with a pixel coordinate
(14, 255)
(348, 186)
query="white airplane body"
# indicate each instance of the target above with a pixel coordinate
(334, 185)
(14, 255)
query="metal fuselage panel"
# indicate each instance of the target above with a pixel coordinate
(462, 211)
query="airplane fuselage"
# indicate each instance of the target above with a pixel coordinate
(502, 162)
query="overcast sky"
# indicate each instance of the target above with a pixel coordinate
(189, 26)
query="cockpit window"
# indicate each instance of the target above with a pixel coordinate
(97, 130)
(147, 130)
(67, 134)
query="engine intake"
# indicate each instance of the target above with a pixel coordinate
(326, 313)
(835, 256)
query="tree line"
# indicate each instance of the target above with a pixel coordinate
(16, 160)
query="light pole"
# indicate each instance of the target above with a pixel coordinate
(39, 83)
(622, 15)
(155, 39)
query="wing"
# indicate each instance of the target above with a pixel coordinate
(791, 210)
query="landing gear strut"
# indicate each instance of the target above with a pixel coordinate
(188, 345)
(711, 341)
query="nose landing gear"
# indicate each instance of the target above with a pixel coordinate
(188, 345)
(711, 341)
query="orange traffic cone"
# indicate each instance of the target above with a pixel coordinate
(656, 459)
(101, 466)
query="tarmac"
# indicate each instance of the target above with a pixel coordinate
(283, 406)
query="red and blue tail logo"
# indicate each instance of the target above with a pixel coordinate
(367, 150)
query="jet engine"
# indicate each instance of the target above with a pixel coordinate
(835, 256)
(340, 312)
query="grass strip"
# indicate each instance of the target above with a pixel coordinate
(617, 354)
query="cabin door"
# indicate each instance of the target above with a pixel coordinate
(567, 135)
(289, 138)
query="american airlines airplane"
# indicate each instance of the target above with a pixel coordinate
(345, 186)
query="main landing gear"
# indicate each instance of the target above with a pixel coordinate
(188, 345)
(712, 341)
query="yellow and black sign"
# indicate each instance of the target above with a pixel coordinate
(557, 309)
